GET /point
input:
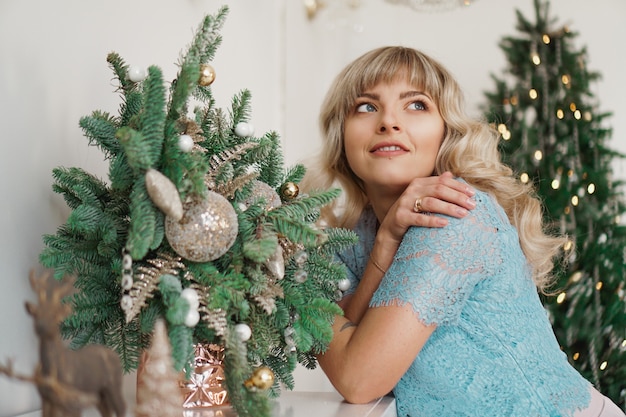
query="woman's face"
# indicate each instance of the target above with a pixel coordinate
(392, 135)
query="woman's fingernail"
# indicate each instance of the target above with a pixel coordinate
(471, 202)
(462, 212)
(470, 191)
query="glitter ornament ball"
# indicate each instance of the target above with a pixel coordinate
(206, 231)
(261, 190)
(207, 75)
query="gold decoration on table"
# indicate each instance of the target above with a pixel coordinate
(205, 386)
(157, 380)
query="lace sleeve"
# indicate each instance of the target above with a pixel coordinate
(436, 270)
(355, 258)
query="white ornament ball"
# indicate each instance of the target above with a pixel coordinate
(126, 302)
(244, 129)
(344, 284)
(127, 281)
(192, 298)
(137, 74)
(185, 143)
(192, 318)
(206, 231)
(243, 332)
(127, 261)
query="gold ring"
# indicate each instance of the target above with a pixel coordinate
(417, 206)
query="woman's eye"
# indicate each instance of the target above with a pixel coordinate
(365, 108)
(418, 105)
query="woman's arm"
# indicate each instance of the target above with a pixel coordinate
(365, 362)
(373, 347)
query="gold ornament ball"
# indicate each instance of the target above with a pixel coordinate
(207, 75)
(262, 378)
(289, 190)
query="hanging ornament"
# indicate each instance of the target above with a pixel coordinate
(137, 74)
(191, 296)
(301, 257)
(244, 129)
(290, 343)
(207, 75)
(126, 302)
(207, 229)
(164, 194)
(192, 318)
(262, 379)
(243, 332)
(300, 276)
(261, 190)
(127, 271)
(193, 315)
(185, 143)
(289, 190)
(344, 284)
(276, 263)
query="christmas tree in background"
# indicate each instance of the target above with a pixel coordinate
(201, 225)
(555, 136)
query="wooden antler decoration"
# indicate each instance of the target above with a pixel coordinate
(69, 380)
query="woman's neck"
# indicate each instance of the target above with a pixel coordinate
(381, 201)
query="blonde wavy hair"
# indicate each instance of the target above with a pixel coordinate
(469, 150)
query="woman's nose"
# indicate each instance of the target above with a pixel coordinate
(388, 122)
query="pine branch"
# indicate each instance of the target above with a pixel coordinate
(100, 129)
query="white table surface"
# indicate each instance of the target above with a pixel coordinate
(290, 404)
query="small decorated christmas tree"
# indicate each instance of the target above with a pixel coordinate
(555, 136)
(199, 224)
(158, 393)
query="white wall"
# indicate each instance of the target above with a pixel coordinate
(53, 71)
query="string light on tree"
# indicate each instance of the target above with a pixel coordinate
(568, 134)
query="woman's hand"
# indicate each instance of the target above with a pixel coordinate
(438, 194)
(441, 194)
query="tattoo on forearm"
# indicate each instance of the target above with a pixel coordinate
(346, 325)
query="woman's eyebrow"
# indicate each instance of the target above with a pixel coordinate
(406, 94)
(412, 93)
(369, 95)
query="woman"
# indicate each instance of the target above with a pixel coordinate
(447, 316)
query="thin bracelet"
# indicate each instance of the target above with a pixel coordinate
(380, 268)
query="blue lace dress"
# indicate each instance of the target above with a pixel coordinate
(493, 352)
